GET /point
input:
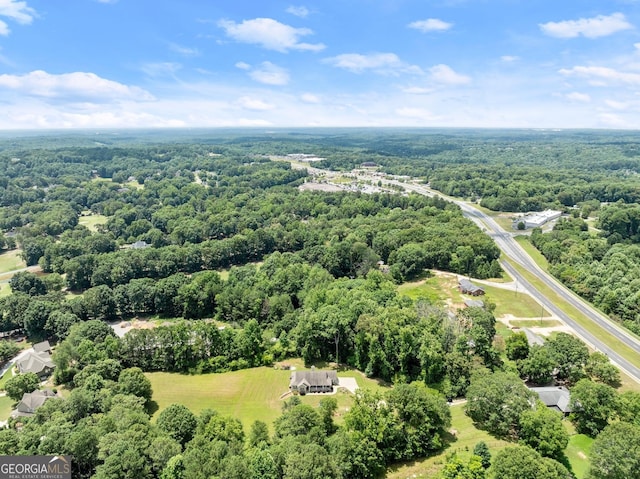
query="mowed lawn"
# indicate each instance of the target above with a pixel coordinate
(11, 260)
(92, 220)
(249, 395)
(462, 438)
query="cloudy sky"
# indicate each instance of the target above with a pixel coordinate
(205, 63)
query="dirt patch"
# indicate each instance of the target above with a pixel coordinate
(311, 186)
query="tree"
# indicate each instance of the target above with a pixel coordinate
(496, 401)
(28, 283)
(538, 366)
(133, 381)
(522, 462)
(600, 369)
(570, 354)
(542, 429)
(456, 468)
(20, 384)
(258, 434)
(178, 422)
(8, 349)
(482, 450)
(517, 346)
(593, 405)
(614, 453)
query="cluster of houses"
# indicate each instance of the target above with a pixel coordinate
(39, 362)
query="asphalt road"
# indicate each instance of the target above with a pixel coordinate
(513, 252)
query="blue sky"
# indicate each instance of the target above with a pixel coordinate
(206, 63)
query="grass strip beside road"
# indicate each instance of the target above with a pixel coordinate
(533, 252)
(625, 351)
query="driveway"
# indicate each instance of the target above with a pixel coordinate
(348, 383)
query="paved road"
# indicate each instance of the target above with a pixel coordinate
(513, 252)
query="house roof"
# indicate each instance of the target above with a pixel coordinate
(44, 346)
(32, 401)
(467, 285)
(35, 363)
(474, 303)
(556, 397)
(532, 338)
(313, 378)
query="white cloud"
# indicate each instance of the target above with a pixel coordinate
(161, 69)
(595, 27)
(243, 66)
(577, 96)
(616, 105)
(184, 51)
(250, 103)
(73, 86)
(269, 34)
(17, 11)
(270, 74)
(417, 90)
(509, 58)
(310, 98)
(301, 11)
(444, 74)
(601, 76)
(413, 112)
(382, 63)
(637, 46)
(430, 25)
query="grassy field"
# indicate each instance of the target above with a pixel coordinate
(6, 406)
(92, 220)
(535, 323)
(11, 261)
(578, 454)
(532, 251)
(462, 442)
(249, 395)
(443, 289)
(5, 289)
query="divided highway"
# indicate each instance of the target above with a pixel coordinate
(513, 252)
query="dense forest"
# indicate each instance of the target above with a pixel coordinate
(204, 231)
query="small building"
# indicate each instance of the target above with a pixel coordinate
(554, 397)
(313, 381)
(467, 287)
(474, 303)
(32, 401)
(140, 245)
(536, 220)
(38, 363)
(369, 164)
(532, 338)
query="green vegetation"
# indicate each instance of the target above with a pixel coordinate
(530, 323)
(538, 258)
(10, 261)
(518, 304)
(6, 406)
(578, 452)
(255, 394)
(462, 439)
(92, 221)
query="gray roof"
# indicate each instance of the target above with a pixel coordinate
(32, 401)
(556, 397)
(468, 286)
(44, 346)
(474, 303)
(35, 363)
(532, 338)
(313, 378)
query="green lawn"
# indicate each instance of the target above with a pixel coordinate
(578, 454)
(532, 251)
(435, 290)
(6, 406)
(6, 376)
(518, 304)
(462, 442)
(249, 394)
(533, 323)
(11, 260)
(5, 289)
(92, 220)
